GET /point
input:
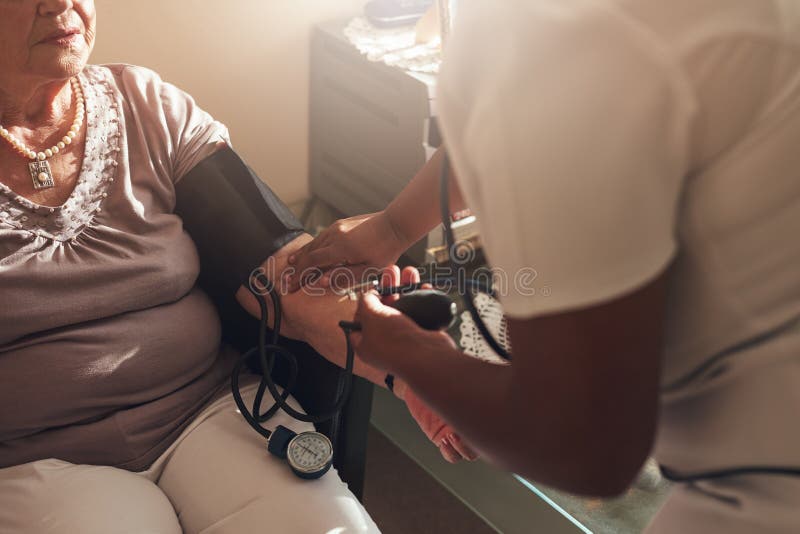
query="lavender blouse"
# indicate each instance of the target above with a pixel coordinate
(107, 348)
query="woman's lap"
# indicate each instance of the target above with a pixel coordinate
(218, 478)
(243, 488)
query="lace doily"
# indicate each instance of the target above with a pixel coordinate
(471, 339)
(64, 223)
(397, 47)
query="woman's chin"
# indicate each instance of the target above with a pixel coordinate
(60, 63)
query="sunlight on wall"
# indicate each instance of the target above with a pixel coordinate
(244, 61)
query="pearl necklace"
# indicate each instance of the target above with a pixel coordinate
(39, 168)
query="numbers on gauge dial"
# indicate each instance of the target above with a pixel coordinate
(309, 451)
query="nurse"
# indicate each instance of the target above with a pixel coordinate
(641, 158)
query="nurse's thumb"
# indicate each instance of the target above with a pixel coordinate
(370, 308)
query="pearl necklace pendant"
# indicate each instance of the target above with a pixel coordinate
(41, 174)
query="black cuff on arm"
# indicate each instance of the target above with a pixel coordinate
(234, 219)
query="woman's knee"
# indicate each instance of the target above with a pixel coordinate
(52, 496)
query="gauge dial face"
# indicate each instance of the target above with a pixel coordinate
(309, 452)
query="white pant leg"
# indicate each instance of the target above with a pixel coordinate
(221, 479)
(56, 497)
(217, 474)
(734, 505)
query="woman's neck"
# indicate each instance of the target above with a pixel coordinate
(35, 106)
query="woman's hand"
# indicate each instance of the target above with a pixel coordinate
(313, 316)
(362, 242)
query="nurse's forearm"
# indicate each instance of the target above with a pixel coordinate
(531, 427)
(416, 210)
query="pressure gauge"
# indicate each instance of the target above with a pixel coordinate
(310, 454)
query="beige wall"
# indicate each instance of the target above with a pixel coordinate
(244, 61)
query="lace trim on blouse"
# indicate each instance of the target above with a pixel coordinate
(98, 170)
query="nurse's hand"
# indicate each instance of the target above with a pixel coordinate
(452, 447)
(386, 333)
(360, 243)
(387, 336)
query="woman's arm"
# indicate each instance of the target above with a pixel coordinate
(313, 315)
(222, 189)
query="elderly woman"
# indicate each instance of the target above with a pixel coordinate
(114, 414)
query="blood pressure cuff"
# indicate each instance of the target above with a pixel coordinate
(234, 219)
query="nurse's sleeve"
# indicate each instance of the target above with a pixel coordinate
(568, 129)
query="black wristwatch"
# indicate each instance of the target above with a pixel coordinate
(389, 381)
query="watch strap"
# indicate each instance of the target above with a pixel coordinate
(389, 381)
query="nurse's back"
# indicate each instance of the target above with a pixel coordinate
(732, 355)
(695, 164)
